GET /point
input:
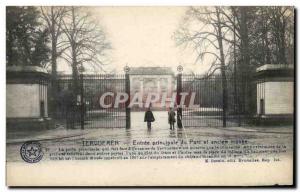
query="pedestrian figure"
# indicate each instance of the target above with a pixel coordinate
(179, 117)
(171, 118)
(149, 118)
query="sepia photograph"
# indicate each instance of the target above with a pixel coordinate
(150, 96)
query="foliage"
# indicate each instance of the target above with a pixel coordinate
(26, 39)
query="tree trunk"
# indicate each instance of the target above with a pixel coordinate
(54, 89)
(74, 56)
(223, 72)
(74, 71)
(282, 41)
(246, 71)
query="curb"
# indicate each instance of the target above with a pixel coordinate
(45, 139)
(254, 131)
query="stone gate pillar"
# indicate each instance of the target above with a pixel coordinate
(27, 98)
(275, 93)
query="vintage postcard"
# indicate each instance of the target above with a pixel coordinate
(150, 96)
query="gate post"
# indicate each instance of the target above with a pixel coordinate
(179, 88)
(127, 90)
(178, 97)
(81, 103)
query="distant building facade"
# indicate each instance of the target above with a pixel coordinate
(145, 80)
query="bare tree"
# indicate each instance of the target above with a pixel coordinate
(260, 35)
(208, 41)
(53, 17)
(87, 42)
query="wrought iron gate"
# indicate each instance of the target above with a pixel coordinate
(209, 96)
(79, 107)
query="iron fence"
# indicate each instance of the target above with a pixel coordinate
(210, 98)
(79, 107)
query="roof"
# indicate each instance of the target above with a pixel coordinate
(151, 71)
(31, 69)
(278, 71)
(275, 67)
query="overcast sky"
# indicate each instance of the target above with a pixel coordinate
(142, 36)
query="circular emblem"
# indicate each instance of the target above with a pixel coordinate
(179, 68)
(31, 152)
(126, 69)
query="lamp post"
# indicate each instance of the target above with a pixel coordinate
(81, 100)
(127, 90)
